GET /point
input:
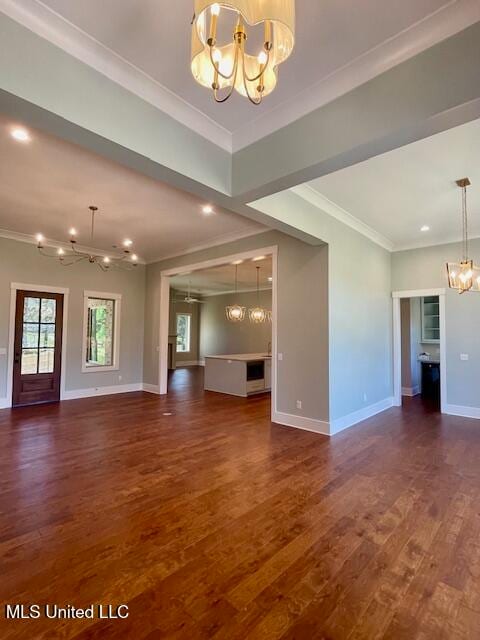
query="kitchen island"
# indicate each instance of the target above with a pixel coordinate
(239, 374)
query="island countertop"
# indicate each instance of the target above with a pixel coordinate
(243, 357)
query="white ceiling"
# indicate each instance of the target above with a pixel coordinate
(397, 193)
(47, 184)
(221, 279)
(339, 45)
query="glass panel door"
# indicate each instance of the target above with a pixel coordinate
(38, 340)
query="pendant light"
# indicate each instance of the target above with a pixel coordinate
(234, 312)
(464, 275)
(226, 66)
(258, 314)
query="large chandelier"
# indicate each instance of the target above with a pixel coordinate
(73, 255)
(464, 275)
(226, 66)
(235, 312)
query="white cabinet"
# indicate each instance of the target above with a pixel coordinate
(431, 320)
(239, 374)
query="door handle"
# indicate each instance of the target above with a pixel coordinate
(17, 358)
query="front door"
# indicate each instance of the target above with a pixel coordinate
(38, 348)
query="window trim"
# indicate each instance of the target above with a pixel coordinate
(117, 297)
(184, 313)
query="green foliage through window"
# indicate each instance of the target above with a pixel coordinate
(100, 332)
(183, 332)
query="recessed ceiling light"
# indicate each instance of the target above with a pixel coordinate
(237, 262)
(20, 134)
(39, 238)
(425, 228)
(207, 209)
(106, 259)
(127, 243)
(60, 252)
(257, 258)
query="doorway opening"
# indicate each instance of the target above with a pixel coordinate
(419, 347)
(218, 327)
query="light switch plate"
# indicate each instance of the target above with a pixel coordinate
(464, 356)
(280, 356)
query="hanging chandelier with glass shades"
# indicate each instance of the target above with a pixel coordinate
(258, 314)
(464, 275)
(225, 65)
(235, 312)
(73, 255)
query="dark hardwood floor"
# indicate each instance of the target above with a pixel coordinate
(214, 523)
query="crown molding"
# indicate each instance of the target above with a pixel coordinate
(450, 19)
(213, 294)
(215, 242)
(48, 24)
(434, 243)
(318, 200)
(55, 244)
(218, 240)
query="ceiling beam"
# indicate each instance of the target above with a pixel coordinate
(436, 90)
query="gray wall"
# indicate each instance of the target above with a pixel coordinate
(359, 302)
(194, 311)
(425, 269)
(219, 336)
(21, 263)
(302, 318)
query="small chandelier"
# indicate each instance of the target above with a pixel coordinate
(464, 275)
(234, 312)
(225, 67)
(258, 314)
(69, 257)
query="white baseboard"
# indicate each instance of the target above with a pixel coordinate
(5, 403)
(300, 422)
(187, 363)
(463, 412)
(101, 391)
(358, 416)
(201, 363)
(151, 388)
(410, 391)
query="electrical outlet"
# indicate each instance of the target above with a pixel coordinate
(464, 356)
(299, 404)
(280, 356)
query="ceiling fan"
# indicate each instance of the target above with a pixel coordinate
(189, 299)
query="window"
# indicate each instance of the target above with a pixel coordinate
(38, 342)
(184, 322)
(101, 331)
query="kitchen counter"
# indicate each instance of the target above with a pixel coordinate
(238, 374)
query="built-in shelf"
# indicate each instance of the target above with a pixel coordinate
(431, 320)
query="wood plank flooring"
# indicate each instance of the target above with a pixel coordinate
(212, 523)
